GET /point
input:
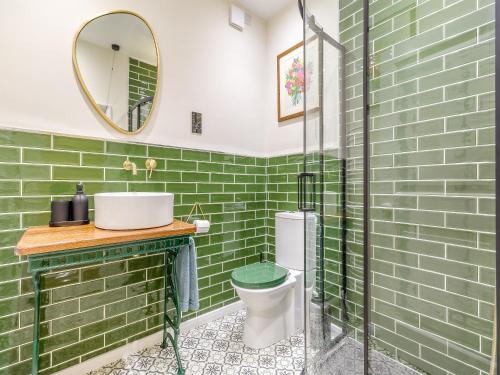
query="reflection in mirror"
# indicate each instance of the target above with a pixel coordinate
(116, 60)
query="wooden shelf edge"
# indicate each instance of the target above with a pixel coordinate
(45, 239)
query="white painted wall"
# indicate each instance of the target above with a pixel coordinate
(283, 31)
(326, 13)
(107, 87)
(206, 66)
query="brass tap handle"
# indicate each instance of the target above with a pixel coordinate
(151, 165)
(130, 165)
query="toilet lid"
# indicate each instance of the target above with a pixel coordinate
(259, 276)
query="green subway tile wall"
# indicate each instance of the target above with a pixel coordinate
(88, 311)
(432, 170)
(351, 23)
(142, 83)
(282, 191)
(282, 196)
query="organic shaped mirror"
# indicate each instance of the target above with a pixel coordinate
(116, 60)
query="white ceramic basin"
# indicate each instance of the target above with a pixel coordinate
(122, 211)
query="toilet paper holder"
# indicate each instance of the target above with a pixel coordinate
(202, 226)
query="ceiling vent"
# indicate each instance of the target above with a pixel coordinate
(237, 17)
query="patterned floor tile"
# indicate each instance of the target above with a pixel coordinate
(346, 358)
(215, 348)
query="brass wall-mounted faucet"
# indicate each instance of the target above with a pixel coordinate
(151, 165)
(130, 166)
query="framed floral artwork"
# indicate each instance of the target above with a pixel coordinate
(291, 83)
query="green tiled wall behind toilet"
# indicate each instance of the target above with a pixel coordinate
(282, 196)
(90, 310)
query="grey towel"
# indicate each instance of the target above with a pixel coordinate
(187, 277)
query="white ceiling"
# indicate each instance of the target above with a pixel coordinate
(265, 8)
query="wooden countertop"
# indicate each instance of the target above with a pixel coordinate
(38, 240)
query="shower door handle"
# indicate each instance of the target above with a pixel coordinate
(306, 194)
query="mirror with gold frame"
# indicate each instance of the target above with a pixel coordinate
(117, 62)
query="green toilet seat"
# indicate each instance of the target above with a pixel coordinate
(259, 276)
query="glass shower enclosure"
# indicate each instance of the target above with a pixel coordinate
(399, 187)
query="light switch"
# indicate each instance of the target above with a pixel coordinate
(196, 122)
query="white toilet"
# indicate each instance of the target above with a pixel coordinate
(274, 293)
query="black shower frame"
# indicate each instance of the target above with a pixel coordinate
(366, 189)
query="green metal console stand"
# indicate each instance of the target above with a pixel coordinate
(169, 246)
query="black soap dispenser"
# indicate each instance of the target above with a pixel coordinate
(80, 205)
